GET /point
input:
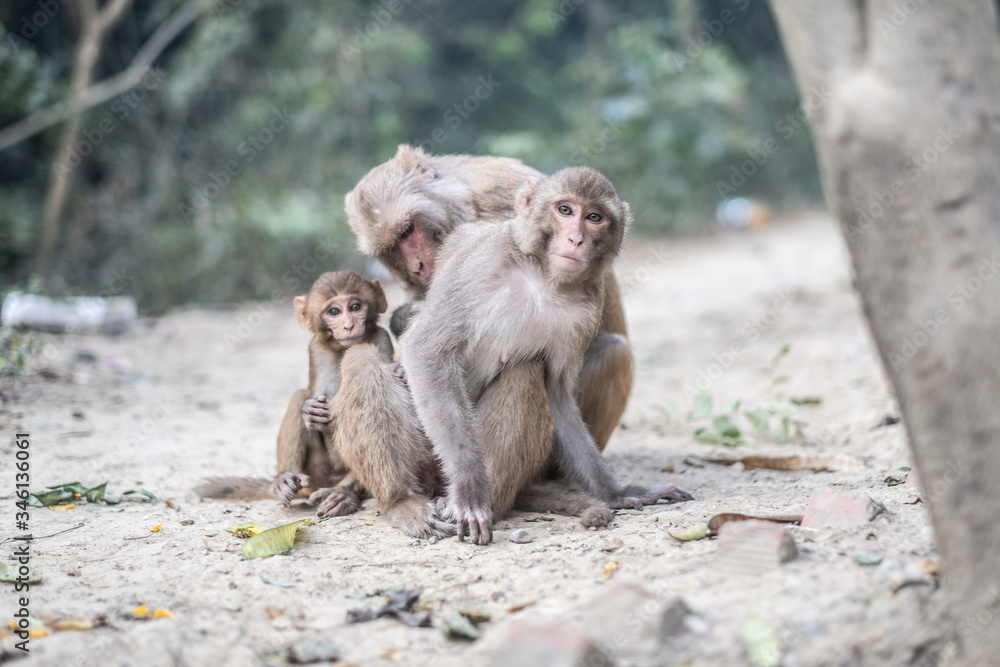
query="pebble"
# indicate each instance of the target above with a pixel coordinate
(454, 538)
(433, 540)
(520, 536)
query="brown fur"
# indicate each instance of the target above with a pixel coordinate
(527, 294)
(308, 461)
(443, 192)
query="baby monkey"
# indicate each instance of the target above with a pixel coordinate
(341, 310)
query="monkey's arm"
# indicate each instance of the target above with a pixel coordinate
(382, 341)
(401, 317)
(445, 409)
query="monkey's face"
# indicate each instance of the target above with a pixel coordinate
(344, 317)
(578, 229)
(414, 250)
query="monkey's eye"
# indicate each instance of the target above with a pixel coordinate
(334, 312)
(564, 209)
(407, 230)
(355, 307)
(595, 217)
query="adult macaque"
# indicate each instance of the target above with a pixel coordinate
(341, 310)
(525, 297)
(403, 210)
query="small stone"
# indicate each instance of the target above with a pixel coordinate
(832, 509)
(433, 539)
(592, 528)
(527, 643)
(454, 538)
(633, 619)
(520, 536)
(612, 545)
(752, 547)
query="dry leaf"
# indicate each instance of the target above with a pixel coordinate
(815, 462)
(142, 611)
(61, 508)
(514, 608)
(155, 529)
(609, 569)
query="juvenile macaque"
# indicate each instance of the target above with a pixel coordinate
(341, 310)
(403, 210)
(523, 297)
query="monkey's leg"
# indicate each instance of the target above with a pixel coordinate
(517, 431)
(605, 384)
(344, 498)
(380, 440)
(295, 442)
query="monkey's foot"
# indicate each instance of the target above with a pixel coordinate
(474, 523)
(288, 484)
(334, 502)
(634, 497)
(418, 517)
(399, 373)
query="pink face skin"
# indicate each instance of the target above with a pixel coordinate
(417, 251)
(574, 228)
(344, 317)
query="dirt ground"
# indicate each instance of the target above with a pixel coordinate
(201, 392)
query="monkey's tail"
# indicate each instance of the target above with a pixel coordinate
(547, 498)
(236, 488)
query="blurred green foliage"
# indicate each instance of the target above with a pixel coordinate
(222, 177)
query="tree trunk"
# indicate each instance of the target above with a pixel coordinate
(96, 25)
(904, 99)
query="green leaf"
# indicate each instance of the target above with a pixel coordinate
(62, 493)
(781, 355)
(726, 427)
(50, 498)
(733, 408)
(690, 533)
(9, 575)
(759, 420)
(702, 406)
(761, 642)
(96, 493)
(456, 626)
(273, 541)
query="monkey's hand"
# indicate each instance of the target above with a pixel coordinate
(472, 520)
(401, 318)
(316, 413)
(634, 496)
(287, 484)
(399, 372)
(334, 501)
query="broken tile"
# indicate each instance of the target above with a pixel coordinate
(828, 508)
(752, 547)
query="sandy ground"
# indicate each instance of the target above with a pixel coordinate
(202, 392)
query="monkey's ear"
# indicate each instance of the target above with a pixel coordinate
(415, 158)
(627, 216)
(381, 305)
(301, 314)
(525, 195)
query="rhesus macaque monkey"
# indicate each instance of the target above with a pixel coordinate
(341, 310)
(403, 210)
(525, 297)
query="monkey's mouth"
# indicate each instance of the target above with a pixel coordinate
(567, 261)
(348, 342)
